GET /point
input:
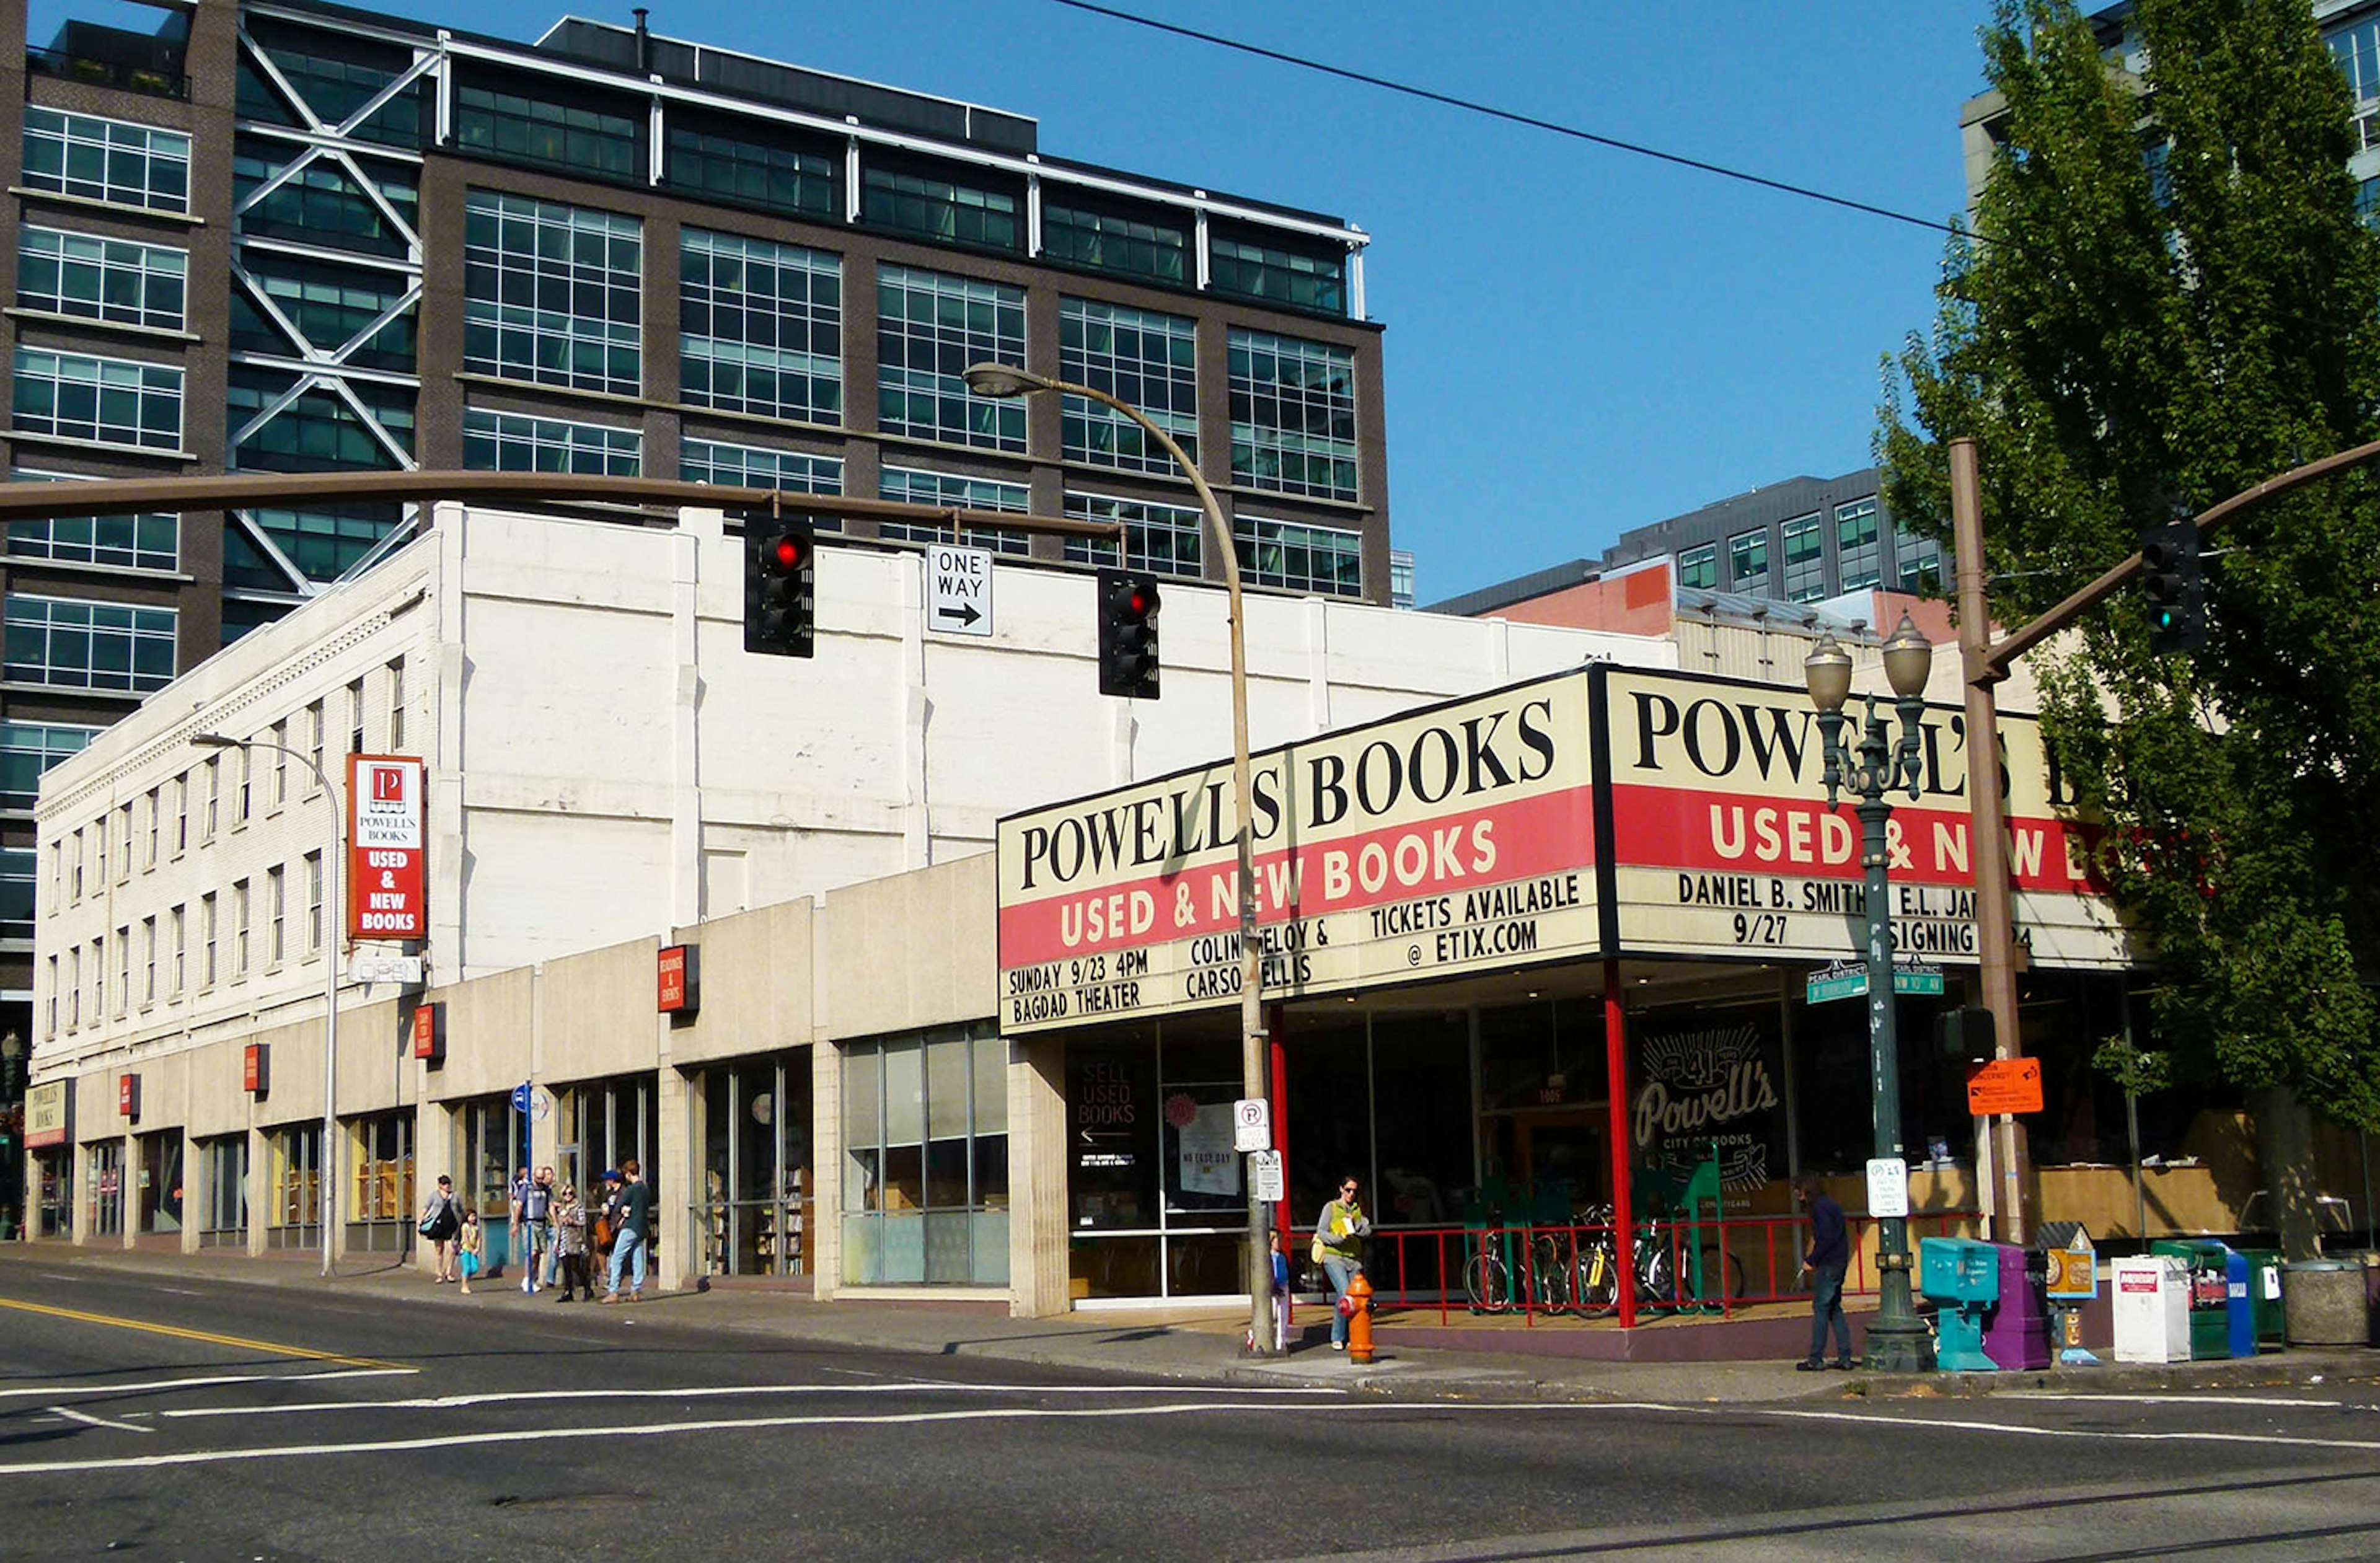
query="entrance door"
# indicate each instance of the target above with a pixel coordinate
(1564, 1146)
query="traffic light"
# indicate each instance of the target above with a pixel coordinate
(1128, 605)
(2171, 586)
(780, 585)
(1966, 1036)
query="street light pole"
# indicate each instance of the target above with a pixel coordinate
(1896, 1341)
(324, 1178)
(1004, 379)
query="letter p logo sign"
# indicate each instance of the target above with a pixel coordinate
(387, 784)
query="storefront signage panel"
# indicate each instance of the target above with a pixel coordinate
(1724, 845)
(1706, 1079)
(385, 847)
(48, 1114)
(1455, 839)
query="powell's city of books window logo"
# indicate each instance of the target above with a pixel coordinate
(388, 785)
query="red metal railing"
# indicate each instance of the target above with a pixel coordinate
(1535, 1271)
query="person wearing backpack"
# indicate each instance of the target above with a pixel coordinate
(441, 1225)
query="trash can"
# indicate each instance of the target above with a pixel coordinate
(2222, 1320)
(2016, 1333)
(2265, 1295)
(1963, 1277)
(2152, 1310)
(2325, 1303)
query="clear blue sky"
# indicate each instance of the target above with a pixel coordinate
(1578, 341)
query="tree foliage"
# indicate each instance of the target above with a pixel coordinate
(2167, 298)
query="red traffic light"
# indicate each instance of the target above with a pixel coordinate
(1140, 601)
(787, 553)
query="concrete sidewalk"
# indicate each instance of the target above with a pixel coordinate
(1192, 1346)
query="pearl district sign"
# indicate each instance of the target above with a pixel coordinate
(1604, 813)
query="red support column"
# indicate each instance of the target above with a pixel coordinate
(1623, 1215)
(1278, 1079)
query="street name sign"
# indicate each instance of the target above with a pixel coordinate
(1843, 980)
(958, 589)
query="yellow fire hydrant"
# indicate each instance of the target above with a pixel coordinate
(1357, 1301)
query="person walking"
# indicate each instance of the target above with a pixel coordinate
(473, 1243)
(553, 1266)
(1828, 1256)
(635, 1237)
(517, 1215)
(537, 1210)
(441, 1225)
(1338, 1234)
(570, 1245)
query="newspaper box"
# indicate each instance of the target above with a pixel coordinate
(2152, 1309)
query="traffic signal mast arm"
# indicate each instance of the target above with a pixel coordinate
(129, 496)
(1991, 666)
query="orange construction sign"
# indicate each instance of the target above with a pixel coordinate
(2004, 1085)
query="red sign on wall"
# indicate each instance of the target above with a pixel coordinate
(430, 1034)
(256, 1069)
(127, 1097)
(385, 873)
(680, 973)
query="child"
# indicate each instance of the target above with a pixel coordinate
(1280, 1293)
(472, 1245)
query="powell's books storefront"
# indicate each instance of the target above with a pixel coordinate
(1480, 921)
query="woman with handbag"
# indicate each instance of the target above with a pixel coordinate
(1338, 1234)
(442, 1225)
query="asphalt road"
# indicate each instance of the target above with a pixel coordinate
(205, 1421)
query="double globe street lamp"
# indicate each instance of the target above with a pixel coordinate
(1878, 765)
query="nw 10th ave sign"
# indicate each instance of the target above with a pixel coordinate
(1458, 838)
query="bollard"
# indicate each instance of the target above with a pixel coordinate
(1358, 1303)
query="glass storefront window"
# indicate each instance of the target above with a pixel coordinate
(380, 1206)
(752, 1132)
(222, 1207)
(1155, 1199)
(295, 1162)
(160, 1183)
(103, 1183)
(52, 1217)
(926, 1160)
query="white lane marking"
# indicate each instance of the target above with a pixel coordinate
(102, 1390)
(746, 1424)
(73, 1415)
(2274, 1439)
(2207, 1399)
(178, 1290)
(714, 1391)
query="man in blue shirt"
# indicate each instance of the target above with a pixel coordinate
(1828, 1257)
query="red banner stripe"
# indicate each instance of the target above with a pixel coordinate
(1760, 833)
(1551, 833)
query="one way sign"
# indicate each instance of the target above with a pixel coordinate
(958, 590)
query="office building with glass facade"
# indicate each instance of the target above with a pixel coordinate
(290, 237)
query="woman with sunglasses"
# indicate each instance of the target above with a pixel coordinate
(1338, 1234)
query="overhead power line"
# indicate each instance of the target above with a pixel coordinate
(1471, 105)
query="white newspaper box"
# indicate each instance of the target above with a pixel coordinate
(2152, 1299)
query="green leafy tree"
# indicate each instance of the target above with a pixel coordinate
(2167, 298)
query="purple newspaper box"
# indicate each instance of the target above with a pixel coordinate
(2016, 1333)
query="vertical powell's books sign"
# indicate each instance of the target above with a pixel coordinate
(1453, 839)
(385, 847)
(1725, 845)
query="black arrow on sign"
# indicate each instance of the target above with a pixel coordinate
(964, 612)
